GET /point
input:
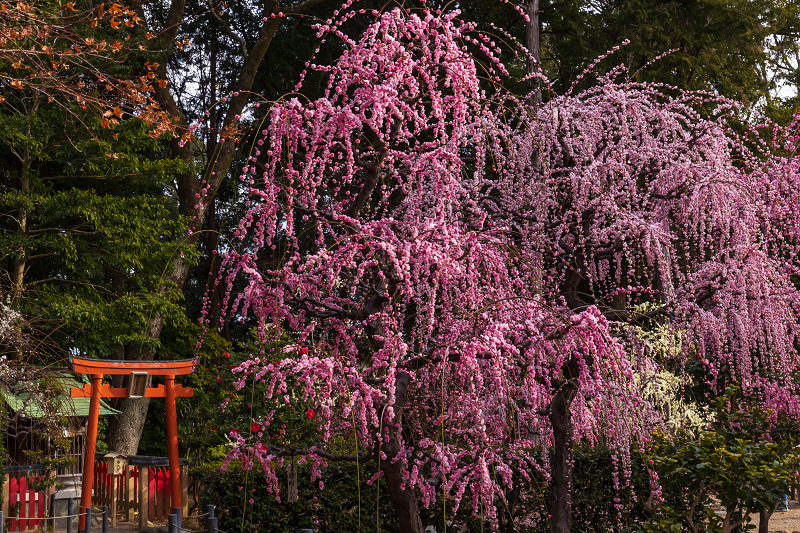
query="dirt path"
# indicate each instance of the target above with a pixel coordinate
(788, 522)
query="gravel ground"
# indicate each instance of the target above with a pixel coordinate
(784, 522)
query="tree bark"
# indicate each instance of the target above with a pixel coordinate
(125, 431)
(18, 276)
(561, 419)
(763, 520)
(404, 499)
(26, 161)
(533, 43)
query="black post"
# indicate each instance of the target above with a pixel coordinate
(212, 520)
(105, 519)
(178, 517)
(2, 522)
(172, 524)
(52, 520)
(88, 520)
(70, 501)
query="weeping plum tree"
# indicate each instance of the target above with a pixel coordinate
(430, 344)
(463, 271)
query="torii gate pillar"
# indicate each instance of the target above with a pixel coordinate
(139, 372)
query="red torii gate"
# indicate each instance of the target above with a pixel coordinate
(139, 372)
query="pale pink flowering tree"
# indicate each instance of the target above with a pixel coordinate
(643, 201)
(461, 267)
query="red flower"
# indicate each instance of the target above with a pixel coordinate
(227, 355)
(254, 427)
(234, 430)
(304, 351)
(309, 414)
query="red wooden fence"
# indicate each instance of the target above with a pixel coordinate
(125, 493)
(26, 505)
(159, 492)
(145, 489)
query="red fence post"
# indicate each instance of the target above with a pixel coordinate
(13, 499)
(23, 501)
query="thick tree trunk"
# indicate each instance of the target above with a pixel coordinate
(763, 521)
(561, 496)
(404, 499)
(561, 481)
(125, 431)
(533, 43)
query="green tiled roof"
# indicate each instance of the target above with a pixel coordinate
(17, 400)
